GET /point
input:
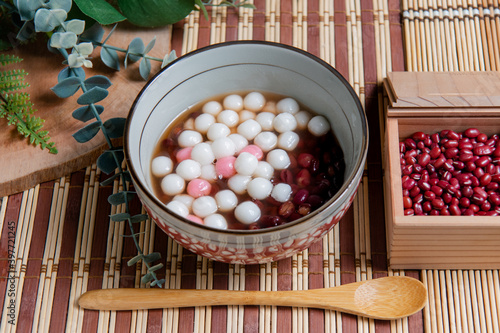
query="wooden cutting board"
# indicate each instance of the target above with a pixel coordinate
(22, 165)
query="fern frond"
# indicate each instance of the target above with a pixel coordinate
(17, 108)
(13, 80)
(6, 59)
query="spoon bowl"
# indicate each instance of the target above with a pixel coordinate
(386, 298)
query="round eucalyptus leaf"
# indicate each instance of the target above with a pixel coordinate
(155, 13)
(48, 19)
(60, 4)
(27, 8)
(75, 26)
(63, 40)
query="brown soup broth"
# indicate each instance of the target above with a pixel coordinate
(326, 173)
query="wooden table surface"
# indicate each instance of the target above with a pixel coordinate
(59, 234)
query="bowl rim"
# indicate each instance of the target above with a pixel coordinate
(347, 183)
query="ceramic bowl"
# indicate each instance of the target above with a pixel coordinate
(244, 66)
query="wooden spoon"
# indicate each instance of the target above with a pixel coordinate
(383, 298)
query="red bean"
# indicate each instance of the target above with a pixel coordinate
(465, 155)
(435, 137)
(486, 206)
(419, 136)
(425, 186)
(418, 198)
(437, 203)
(483, 161)
(485, 179)
(454, 210)
(471, 132)
(424, 159)
(438, 191)
(408, 184)
(479, 172)
(429, 195)
(286, 209)
(435, 152)
(304, 177)
(301, 196)
(305, 159)
(426, 206)
(465, 144)
(444, 211)
(409, 212)
(494, 199)
(482, 137)
(417, 209)
(451, 152)
(439, 161)
(474, 207)
(414, 191)
(453, 135)
(410, 143)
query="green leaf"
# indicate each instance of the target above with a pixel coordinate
(48, 19)
(110, 58)
(85, 113)
(134, 260)
(203, 8)
(67, 87)
(87, 133)
(150, 45)
(71, 72)
(158, 283)
(147, 278)
(75, 26)
(100, 10)
(156, 267)
(136, 46)
(107, 162)
(120, 197)
(63, 40)
(111, 179)
(94, 95)
(139, 218)
(154, 13)
(119, 217)
(93, 34)
(152, 257)
(98, 81)
(114, 127)
(169, 58)
(145, 68)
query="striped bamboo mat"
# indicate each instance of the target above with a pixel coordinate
(64, 244)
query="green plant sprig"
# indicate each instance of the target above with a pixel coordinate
(94, 89)
(17, 108)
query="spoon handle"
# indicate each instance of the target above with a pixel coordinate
(384, 298)
(139, 299)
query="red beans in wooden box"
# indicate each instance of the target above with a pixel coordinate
(442, 170)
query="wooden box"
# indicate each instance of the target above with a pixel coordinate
(431, 102)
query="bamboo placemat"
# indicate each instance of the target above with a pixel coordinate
(64, 243)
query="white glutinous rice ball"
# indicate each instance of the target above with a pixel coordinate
(223, 147)
(281, 192)
(189, 124)
(226, 200)
(172, 184)
(288, 140)
(266, 141)
(270, 107)
(218, 130)
(189, 138)
(188, 169)
(203, 122)
(318, 126)
(278, 158)
(247, 212)
(228, 117)
(238, 183)
(233, 102)
(302, 118)
(208, 172)
(254, 101)
(204, 206)
(215, 221)
(178, 208)
(264, 170)
(259, 188)
(265, 119)
(239, 141)
(284, 122)
(245, 115)
(161, 166)
(288, 105)
(246, 164)
(249, 129)
(212, 107)
(202, 153)
(186, 199)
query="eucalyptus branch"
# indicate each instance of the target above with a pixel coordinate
(119, 49)
(123, 196)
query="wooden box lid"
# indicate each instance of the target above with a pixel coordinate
(418, 94)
